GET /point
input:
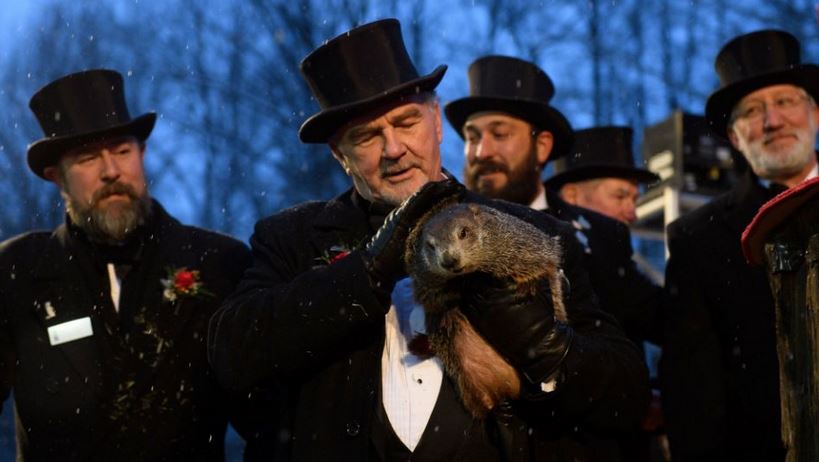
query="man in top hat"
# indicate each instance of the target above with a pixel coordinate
(719, 365)
(600, 174)
(332, 319)
(511, 131)
(103, 321)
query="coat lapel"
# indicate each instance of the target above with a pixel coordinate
(152, 324)
(743, 203)
(67, 289)
(342, 224)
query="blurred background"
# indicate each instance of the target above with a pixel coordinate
(223, 77)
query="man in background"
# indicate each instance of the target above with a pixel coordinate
(510, 132)
(103, 321)
(600, 174)
(719, 366)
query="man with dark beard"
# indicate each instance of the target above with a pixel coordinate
(103, 322)
(719, 367)
(510, 132)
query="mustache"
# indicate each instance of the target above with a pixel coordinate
(112, 189)
(483, 167)
(394, 168)
(770, 137)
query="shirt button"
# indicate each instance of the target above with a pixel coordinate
(353, 428)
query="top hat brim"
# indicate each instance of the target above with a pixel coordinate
(721, 103)
(771, 215)
(592, 171)
(320, 127)
(538, 114)
(46, 152)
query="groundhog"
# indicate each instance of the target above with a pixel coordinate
(455, 240)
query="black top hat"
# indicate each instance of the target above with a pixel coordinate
(753, 61)
(516, 87)
(357, 71)
(82, 108)
(599, 152)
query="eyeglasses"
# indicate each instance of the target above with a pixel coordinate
(754, 111)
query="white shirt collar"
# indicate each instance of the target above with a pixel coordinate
(540, 202)
(814, 172)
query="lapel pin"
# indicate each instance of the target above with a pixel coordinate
(49, 309)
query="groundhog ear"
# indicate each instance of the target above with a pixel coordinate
(474, 208)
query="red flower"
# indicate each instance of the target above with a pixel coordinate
(184, 281)
(339, 256)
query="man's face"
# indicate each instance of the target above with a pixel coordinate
(104, 187)
(775, 129)
(613, 197)
(391, 155)
(504, 157)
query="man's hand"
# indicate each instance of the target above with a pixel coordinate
(520, 326)
(384, 254)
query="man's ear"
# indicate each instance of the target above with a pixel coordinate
(439, 129)
(52, 174)
(340, 158)
(568, 192)
(544, 142)
(732, 137)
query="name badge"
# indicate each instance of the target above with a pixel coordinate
(70, 331)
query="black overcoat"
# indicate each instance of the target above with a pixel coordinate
(140, 387)
(719, 369)
(622, 289)
(319, 328)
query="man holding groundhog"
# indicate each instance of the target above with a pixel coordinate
(326, 310)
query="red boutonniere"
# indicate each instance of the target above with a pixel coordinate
(335, 254)
(183, 283)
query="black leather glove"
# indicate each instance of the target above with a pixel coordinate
(520, 326)
(384, 254)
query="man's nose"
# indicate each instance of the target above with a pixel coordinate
(772, 118)
(629, 212)
(484, 149)
(394, 145)
(110, 167)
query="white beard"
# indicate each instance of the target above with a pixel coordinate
(771, 165)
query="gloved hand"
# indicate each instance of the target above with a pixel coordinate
(384, 254)
(520, 326)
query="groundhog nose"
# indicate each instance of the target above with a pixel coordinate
(450, 262)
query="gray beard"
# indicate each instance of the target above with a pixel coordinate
(109, 225)
(777, 166)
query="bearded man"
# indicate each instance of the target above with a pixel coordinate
(103, 321)
(719, 366)
(511, 131)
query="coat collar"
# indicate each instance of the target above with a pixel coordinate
(743, 201)
(348, 212)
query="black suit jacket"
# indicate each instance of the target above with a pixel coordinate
(622, 289)
(140, 387)
(319, 328)
(719, 368)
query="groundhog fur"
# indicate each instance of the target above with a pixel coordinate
(454, 240)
